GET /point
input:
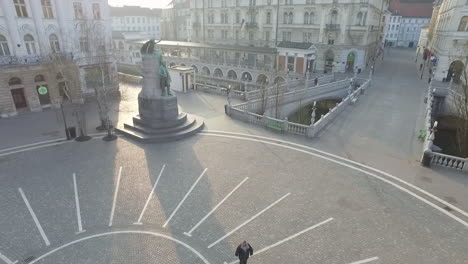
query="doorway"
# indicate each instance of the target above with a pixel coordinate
(350, 62)
(18, 98)
(43, 93)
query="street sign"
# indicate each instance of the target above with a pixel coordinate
(42, 90)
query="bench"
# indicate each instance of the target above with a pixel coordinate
(275, 126)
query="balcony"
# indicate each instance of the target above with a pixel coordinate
(333, 26)
(29, 59)
(251, 26)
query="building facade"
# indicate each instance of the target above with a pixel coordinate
(448, 39)
(338, 36)
(31, 31)
(136, 19)
(405, 22)
(176, 24)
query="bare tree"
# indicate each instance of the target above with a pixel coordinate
(460, 99)
(67, 76)
(101, 78)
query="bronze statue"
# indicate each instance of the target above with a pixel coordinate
(149, 48)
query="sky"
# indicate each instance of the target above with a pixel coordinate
(143, 3)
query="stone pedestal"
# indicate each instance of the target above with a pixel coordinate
(159, 119)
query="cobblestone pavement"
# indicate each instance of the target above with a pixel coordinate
(293, 205)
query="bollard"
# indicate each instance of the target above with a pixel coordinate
(427, 158)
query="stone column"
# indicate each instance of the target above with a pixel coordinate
(42, 39)
(12, 25)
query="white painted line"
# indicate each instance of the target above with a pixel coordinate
(248, 221)
(33, 148)
(6, 260)
(59, 142)
(185, 197)
(343, 159)
(77, 205)
(286, 239)
(443, 211)
(34, 144)
(365, 260)
(189, 233)
(111, 218)
(138, 222)
(155, 234)
(39, 227)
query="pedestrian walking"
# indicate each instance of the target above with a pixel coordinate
(420, 66)
(228, 94)
(244, 251)
(316, 81)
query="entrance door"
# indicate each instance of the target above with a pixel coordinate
(350, 62)
(411, 44)
(18, 98)
(43, 94)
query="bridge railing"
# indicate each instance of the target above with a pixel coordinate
(449, 161)
(249, 111)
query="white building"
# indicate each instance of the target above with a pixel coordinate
(176, 24)
(404, 25)
(448, 38)
(137, 19)
(30, 30)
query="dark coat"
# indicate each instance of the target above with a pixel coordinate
(243, 255)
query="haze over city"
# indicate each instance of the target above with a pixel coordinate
(142, 3)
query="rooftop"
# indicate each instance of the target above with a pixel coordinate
(133, 11)
(411, 9)
(214, 46)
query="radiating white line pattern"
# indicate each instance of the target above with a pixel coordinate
(77, 205)
(33, 215)
(286, 239)
(185, 197)
(365, 260)
(189, 233)
(6, 259)
(138, 222)
(248, 221)
(116, 191)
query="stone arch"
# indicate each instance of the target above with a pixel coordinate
(206, 71)
(218, 73)
(246, 76)
(455, 71)
(14, 81)
(195, 68)
(359, 19)
(39, 78)
(172, 64)
(232, 75)
(279, 79)
(350, 61)
(262, 79)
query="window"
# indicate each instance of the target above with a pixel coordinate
(128, 20)
(237, 34)
(133, 20)
(306, 18)
(251, 35)
(78, 8)
(96, 11)
(154, 28)
(252, 2)
(331, 41)
(463, 24)
(30, 44)
(84, 45)
(20, 7)
(397, 26)
(210, 34)
(224, 34)
(4, 49)
(54, 43)
(285, 18)
(47, 9)
(393, 27)
(359, 19)
(138, 20)
(237, 17)
(268, 18)
(311, 18)
(290, 64)
(237, 2)
(284, 36)
(267, 35)
(334, 17)
(291, 17)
